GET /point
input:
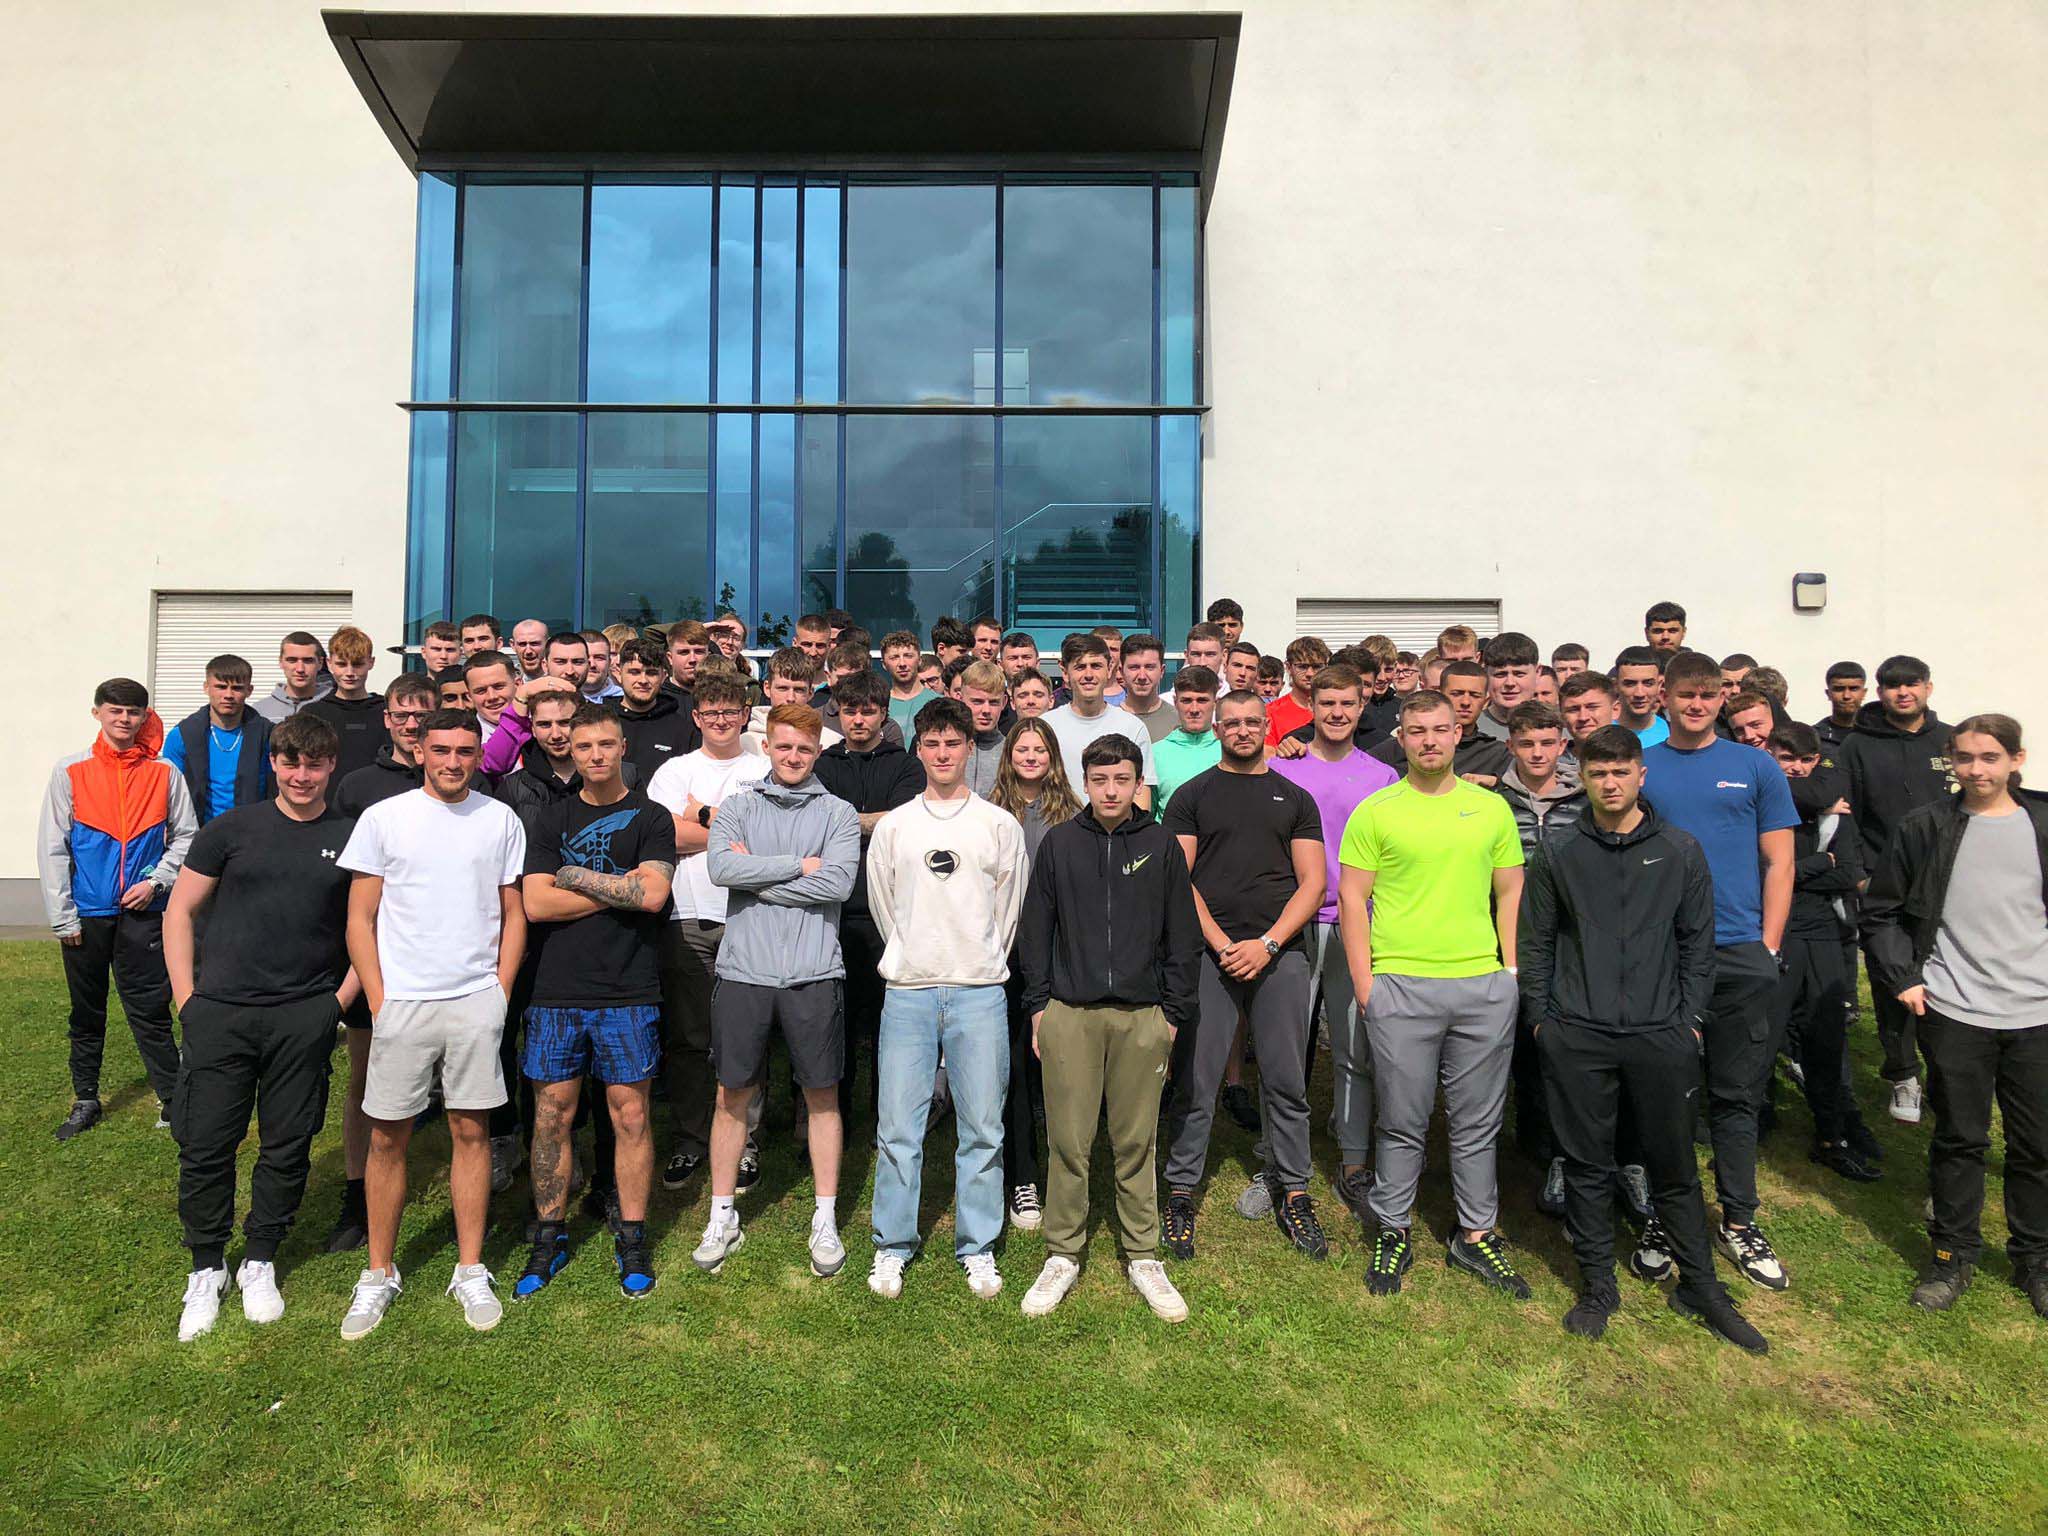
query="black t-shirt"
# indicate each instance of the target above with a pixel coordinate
(276, 925)
(606, 959)
(1243, 825)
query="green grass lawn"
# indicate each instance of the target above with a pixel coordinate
(765, 1400)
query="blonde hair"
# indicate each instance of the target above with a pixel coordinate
(1056, 801)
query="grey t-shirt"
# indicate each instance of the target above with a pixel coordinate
(1990, 961)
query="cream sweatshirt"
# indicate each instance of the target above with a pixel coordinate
(945, 885)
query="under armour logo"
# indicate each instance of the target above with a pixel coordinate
(330, 853)
(662, 746)
(942, 862)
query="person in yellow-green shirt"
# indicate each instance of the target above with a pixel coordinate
(1429, 879)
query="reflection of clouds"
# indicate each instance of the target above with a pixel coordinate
(921, 284)
(650, 293)
(1077, 290)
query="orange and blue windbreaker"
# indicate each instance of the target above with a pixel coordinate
(110, 819)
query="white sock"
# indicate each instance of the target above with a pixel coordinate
(828, 1210)
(722, 1213)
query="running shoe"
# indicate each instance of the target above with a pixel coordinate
(1255, 1201)
(1354, 1188)
(1051, 1286)
(750, 1170)
(1751, 1252)
(1296, 1218)
(549, 1253)
(721, 1240)
(203, 1291)
(85, 1114)
(1862, 1141)
(262, 1302)
(2032, 1282)
(1588, 1316)
(1905, 1104)
(1652, 1260)
(1180, 1224)
(885, 1276)
(634, 1258)
(1550, 1198)
(506, 1156)
(1716, 1312)
(828, 1253)
(680, 1169)
(1842, 1158)
(1634, 1180)
(375, 1290)
(1486, 1256)
(1392, 1256)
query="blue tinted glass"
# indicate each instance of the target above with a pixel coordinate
(1180, 518)
(650, 292)
(515, 516)
(647, 519)
(818, 474)
(775, 550)
(735, 541)
(920, 519)
(778, 294)
(426, 523)
(735, 381)
(920, 292)
(1077, 294)
(1077, 510)
(821, 293)
(433, 308)
(522, 285)
(1179, 296)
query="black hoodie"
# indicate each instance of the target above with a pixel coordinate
(1617, 929)
(664, 732)
(360, 724)
(1891, 773)
(385, 777)
(879, 780)
(1109, 920)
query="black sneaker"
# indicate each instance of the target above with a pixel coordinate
(1844, 1159)
(1943, 1281)
(1486, 1256)
(1651, 1258)
(85, 1114)
(634, 1258)
(1596, 1304)
(1392, 1254)
(680, 1169)
(1550, 1198)
(1180, 1224)
(1715, 1311)
(750, 1171)
(1751, 1252)
(601, 1203)
(1355, 1190)
(1239, 1104)
(1296, 1218)
(2032, 1283)
(352, 1226)
(1862, 1141)
(549, 1253)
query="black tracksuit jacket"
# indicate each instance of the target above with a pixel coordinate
(385, 777)
(1822, 876)
(1617, 929)
(1109, 920)
(1891, 773)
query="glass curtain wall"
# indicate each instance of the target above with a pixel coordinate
(641, 398)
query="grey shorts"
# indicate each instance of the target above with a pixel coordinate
(812, 1017)
(414, 1036)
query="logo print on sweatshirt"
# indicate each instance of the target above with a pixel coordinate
(591, 847)
(330, 853)
(1730, 784)
(942, 862)
(1136, 864)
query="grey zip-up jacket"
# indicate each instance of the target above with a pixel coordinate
(782, 925)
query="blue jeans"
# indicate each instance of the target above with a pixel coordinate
(972, 1025)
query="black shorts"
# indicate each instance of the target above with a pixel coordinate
(812, 1017)
(357, 1014)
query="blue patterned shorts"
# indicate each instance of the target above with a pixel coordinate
(616, 1045)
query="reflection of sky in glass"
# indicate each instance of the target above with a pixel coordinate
(920, 291)
(1077, 292)
(819, 471)
(735, 377)
(735, 512)
(1177, 246)
(522, 286)
(778, 294)
(515, 516)
(647, 525)
(650, 293)
(426, 561)
(775, 555)
(821, 293)
(920, 518)
(1180, 514)
(433, 320)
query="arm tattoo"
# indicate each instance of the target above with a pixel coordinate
(628, 890)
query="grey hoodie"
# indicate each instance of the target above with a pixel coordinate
(278, 706)
(782, 925)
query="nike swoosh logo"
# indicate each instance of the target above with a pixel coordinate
(1137, 864)
(1463, 814)
(1658, 860)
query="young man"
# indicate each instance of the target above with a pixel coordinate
(115, 824)
(1616, 945)
(988, 639)
(849, 661)
(504, 747)
(596, 883)
(1144, 669)
(1569, 659)
(945, 881)
(1734, 668)
(1586, 702)
(1663, 630)
(1543, 688)
(1479, 758)
(435, 930)
(1847, 683)
(1030, 695)
(259, 1010)
(599, 685)
(440, 647)
(490, 677)
(951, 639)
(1204, 647)
(1639, 689)
(1510, 677)
(982, 689)
(1958, 934)
(1084, 660)
(1241, 668)
(900, 659)
(792, 678)
(688, 643)
(1748, 718)
(786, 853)
(1193, 747)
(1108, 945)
(1254, 846)
(1458, 642)
(222, 749)
(547, 767)
(298, 658)
(567, 656)
(480, 633)
(451, 684)
(1734, 801)
(1426, 904)
(529, 644)
(691, 788)
(356, 714)
(1404, 677)
(658, 728)
(1019, 653)
(1306, 656)
(1338, 777)
(814, 637)
(1272, 679)
(1897, 760)
(1226, 616)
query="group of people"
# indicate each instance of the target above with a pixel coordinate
(561, 880)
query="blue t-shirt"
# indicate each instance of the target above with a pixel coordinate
(1727, 796)
(1653, 734)
(223, 758)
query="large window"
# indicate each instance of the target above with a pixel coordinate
(647, 397)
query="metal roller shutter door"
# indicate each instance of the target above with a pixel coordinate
(191, 628)
(1413, 626)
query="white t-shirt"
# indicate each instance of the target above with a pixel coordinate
(709, 780)
(438, 923)
(1073, 732)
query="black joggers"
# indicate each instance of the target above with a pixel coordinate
(1968, 1067)
(275, 1060)
(131, 946)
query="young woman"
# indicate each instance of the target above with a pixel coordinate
(1032, 786)
(1956, 920)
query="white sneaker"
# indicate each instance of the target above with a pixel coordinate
(828, 1254)
(1905, 1105)
(885, 1276)
(1025, 1211)
(257, 1281)
(506, 1155)
(722, 1239)
(203, 1291)
(375, 1290)
(1148, 1279)
(983, 1278)
(1051, 1286)
(471, 1286)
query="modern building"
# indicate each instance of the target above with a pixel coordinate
(1374, 315)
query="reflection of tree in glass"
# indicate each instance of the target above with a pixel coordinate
(885, 602)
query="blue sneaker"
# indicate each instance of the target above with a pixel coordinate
(550, 1252)
(636, 1265)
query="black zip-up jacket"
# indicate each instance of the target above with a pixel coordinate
(1891, 773)
(879, 780)
(1902, 905)
(1831, 738)
(1823, 876)
(385, 777)
(665, 731)
(1109, 919)
(1617, 929)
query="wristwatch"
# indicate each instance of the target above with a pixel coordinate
(1272, 949)
(703, 815)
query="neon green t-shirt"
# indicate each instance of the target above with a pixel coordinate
(1432, 858)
